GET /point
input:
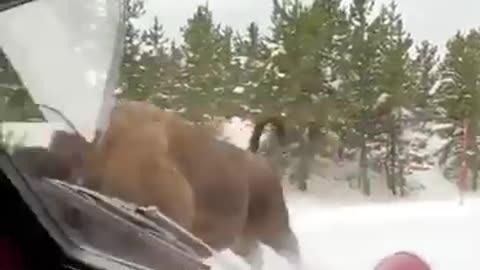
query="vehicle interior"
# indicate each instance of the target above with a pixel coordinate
(24, 243)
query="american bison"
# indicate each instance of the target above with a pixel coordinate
(226, 196)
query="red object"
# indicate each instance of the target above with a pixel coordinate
(402, 261)
(9, 255)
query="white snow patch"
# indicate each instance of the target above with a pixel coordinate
(278, 50)
(382, 99)
(118, 91)
(237, 131)
(442, 126)
(436, 86)
(336, 84)
(241, 60)
(239, 90)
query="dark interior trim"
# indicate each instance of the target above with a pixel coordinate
(68, 246)
(8, 4)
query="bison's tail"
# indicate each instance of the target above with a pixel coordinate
(279, 125)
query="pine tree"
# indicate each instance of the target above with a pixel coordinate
(308, 54)
(251, 55)
(459, 97)
(16, 103)
(299, 32)
(285, 67)
(171, 83)
(326, 32)
(231, 100)
(398, 84)
(9, 84)
(202, 70)
(425, 65)
(155, 59)
(360, 86)
(132, 71)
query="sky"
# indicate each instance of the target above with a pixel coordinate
(435, 20)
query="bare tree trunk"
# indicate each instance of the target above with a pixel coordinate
(302, 174)
(473, 152)
(388, 171)
(474, 169)
(302, 170)
(402, 163)
(363, 180)
(475, 174)
(400, 155)
(393, 160)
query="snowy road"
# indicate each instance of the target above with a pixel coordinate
(445, 233)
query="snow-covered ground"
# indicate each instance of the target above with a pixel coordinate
(356, 237)
(443, 232)
(339, 229)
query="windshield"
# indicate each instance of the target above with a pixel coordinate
(87, 42)
(248, 123)
(59, 75)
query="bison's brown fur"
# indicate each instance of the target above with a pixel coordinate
(226, 196)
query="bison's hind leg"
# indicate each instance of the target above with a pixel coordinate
(284, 243)
(269, 219)
(247, 247)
